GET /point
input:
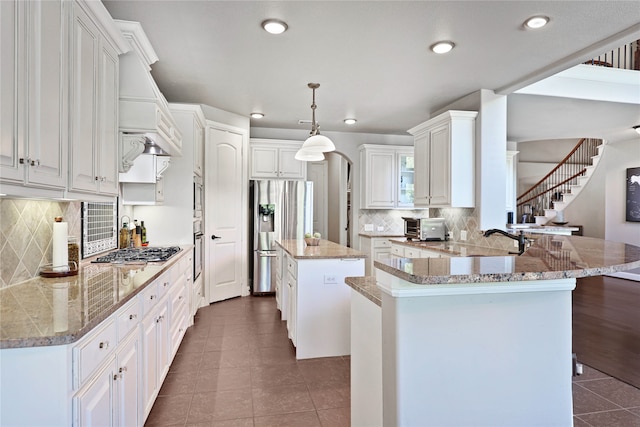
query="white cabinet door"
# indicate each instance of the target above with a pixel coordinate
(288, 166)
(94, 96)
(264, 162)
(126, 380)
(150, 384)
(198, 151)
(94, 403)
(10, 149)
(107, 161)
(405, 173)
(33, 106)
(421, 173)
(46, 133)
(380, 184)
(440, 166)
(84, 63)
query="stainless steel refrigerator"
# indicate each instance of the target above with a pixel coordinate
(281, 210)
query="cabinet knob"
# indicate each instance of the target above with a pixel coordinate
(35, 162)
(97, 178)
(132, 316)
(104, 344)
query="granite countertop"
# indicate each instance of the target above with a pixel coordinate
(57, 311)
(298, 249)
(380, 234)
(451, 248)
(549, 257)
(367, 287)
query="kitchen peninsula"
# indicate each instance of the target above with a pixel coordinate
(476, 340)
(91, 347)
(313, 297)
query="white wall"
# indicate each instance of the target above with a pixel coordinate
(621, 155)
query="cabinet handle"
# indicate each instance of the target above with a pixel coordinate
(97, 178)
(132, 316)
(152, 296)
(22, 160)
(116, 376)
(35, 162)
(165, 284)
(104, 344)
(122, 369)
(180, 297)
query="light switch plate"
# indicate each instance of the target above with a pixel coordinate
(463, 234)
(368, 227)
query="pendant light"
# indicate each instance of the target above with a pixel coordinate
(316, 143)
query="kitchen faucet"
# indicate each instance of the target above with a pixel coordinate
(520, 238)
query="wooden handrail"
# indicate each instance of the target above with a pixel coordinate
(562, 162)
(554, 187)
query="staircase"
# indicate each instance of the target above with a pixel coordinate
(552, 194)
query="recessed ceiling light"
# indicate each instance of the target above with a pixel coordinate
(536, 22)
(257, 115)
(350, 121)
(442, 47)
(274, 26)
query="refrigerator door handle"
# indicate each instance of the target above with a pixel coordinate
(266, 254)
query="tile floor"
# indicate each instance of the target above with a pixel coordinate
(236, 367)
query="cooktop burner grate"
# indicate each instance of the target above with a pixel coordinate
(148, 254)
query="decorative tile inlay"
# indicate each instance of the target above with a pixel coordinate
(25, 235)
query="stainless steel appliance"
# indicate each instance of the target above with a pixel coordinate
(198, 197)
(281, 210)
(425, 228)
(198, 248)
(147, 254)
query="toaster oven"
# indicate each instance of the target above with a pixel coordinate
(425, 229)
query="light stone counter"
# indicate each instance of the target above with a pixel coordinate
(550, 257)
(298, 249)
(57, 311)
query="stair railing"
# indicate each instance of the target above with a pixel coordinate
(625, 57)
(551, 188)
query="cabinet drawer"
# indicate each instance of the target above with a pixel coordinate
(128, 318)
(94, 349)
(381, 243)
(292, 267)
(178, 297)
(397, 250)
(412, 253)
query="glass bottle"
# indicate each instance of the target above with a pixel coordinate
(143, 232)
(125, 236)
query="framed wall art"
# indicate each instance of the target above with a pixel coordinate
(633, 195)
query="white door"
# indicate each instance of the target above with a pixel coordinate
(225, 214)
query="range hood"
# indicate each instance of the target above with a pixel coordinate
(145, 122)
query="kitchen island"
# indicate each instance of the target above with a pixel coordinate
(92, 347)
(480, 340)
(314, 294)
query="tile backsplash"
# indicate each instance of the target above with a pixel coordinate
(26, 232)
(457, 220)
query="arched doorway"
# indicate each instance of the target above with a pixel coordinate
(332, 213)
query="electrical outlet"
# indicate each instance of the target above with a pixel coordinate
(330, 279)
(463, 234)
(368, 227)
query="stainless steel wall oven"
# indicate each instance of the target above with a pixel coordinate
(198, 248)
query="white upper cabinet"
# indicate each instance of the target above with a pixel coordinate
(275, 159)
(94, 108)
(33, 106)
(387, 180)
(58, 98)
(445, 160)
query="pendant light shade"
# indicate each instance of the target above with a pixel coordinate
(309, 156)
(316, 143)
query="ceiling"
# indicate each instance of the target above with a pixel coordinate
(373, 62)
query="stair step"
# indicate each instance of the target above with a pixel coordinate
(595, 160)
(575, 189)
(582, 180)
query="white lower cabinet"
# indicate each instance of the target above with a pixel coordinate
(111, 396)
(376, 248)
(112, 375)
(155, 354)
(319, 305)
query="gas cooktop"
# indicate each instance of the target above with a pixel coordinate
(147, 254)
